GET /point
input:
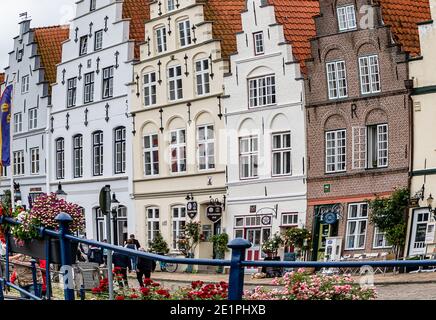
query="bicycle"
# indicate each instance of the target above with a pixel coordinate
(168, 267)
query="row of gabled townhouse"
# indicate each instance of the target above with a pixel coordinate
(267, 114)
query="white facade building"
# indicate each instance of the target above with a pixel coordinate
(90, 127)
(35, 52)
(266, 131)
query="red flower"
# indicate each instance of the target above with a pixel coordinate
(163, 293)
(134, 296)
(148, 282)
(145, 291)
(197, 284)
(119, 298)
(155, 284)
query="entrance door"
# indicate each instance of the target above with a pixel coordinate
(419, 227)
(254, 236)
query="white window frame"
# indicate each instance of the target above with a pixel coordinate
(33, 118)
(34, 161)
(346, 18)
(78, 156)
(207, 143)
(18, 122)
(184, 33)
(171, 5)
(161, 39)
(385, 244)
(83, 42)
(25, 84)
(290, 219)
(337, 79)
(259, 44)
(337, 151)
(153, 217)
(358, 220)
(89, 84)
(175, 83)
(120, 150)
(18, 157)
(382, 146)
(151, 151)
(281, 151)
(179, 147)
(359, 148)
(150, 89)
(369, 70)
(202, 76)
(108, 82)
(98, 40)
(262, 91)
(71, 92)
(251, 156)
(97, 154)
(178, 224)
(60, 158)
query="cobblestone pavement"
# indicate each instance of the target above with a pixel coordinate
(425, 291)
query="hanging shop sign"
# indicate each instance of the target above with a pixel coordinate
(192, 209)
(330, 217)
(214, 213)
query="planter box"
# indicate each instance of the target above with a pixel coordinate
(36, 249)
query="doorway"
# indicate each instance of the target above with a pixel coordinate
(421, 218)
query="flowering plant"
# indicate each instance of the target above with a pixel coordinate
(201, 291)
(43, 214)
(302, 286)
(296, 237)
(272, 245)
(190, 239)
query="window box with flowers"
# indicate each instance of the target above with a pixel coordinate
(25, 237)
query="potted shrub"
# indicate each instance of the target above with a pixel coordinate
(159, 245)
(220, 242)
(189, 241)
(299, 239)
(25, 238)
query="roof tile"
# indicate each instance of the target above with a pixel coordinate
(138, 11)
(49, 41)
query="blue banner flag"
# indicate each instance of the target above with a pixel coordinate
(5, 126)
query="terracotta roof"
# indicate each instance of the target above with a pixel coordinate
(49, 41)
(296, 16)
(226, 18)
(138, 11)
(403, 16)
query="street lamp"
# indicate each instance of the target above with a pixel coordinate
(430, 205)
(115, 204)
(61, 194)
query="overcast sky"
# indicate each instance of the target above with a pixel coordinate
(42, 12)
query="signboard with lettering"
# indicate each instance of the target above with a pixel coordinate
(214, 213)
(192, 209)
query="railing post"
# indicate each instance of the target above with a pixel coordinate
(236, 280)
(64, 221)
(2, 297)
(34, 278)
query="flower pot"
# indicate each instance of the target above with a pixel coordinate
(35, 248)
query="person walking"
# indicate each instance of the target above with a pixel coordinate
(95, 255)
(136, 242)
(121, 265)
(23, 270)
(132, 246)
(144, 269)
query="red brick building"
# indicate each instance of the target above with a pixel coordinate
(358, 116)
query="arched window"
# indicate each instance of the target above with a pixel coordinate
(78, 156)
(97, 153)
(60, 158)
(120, 150)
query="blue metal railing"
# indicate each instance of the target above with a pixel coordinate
(237, 263)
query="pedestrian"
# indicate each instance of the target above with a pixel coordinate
(95, 255)
(136, 242)
(132, 246)
(144, 268)
(43, 264)
(23, 270)
(121, 265)
(105, 253)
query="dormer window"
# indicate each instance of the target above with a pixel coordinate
(185, 33)
(92, 5)
(259, 47)
(171, 5)
(83, 45)
(347, 18)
